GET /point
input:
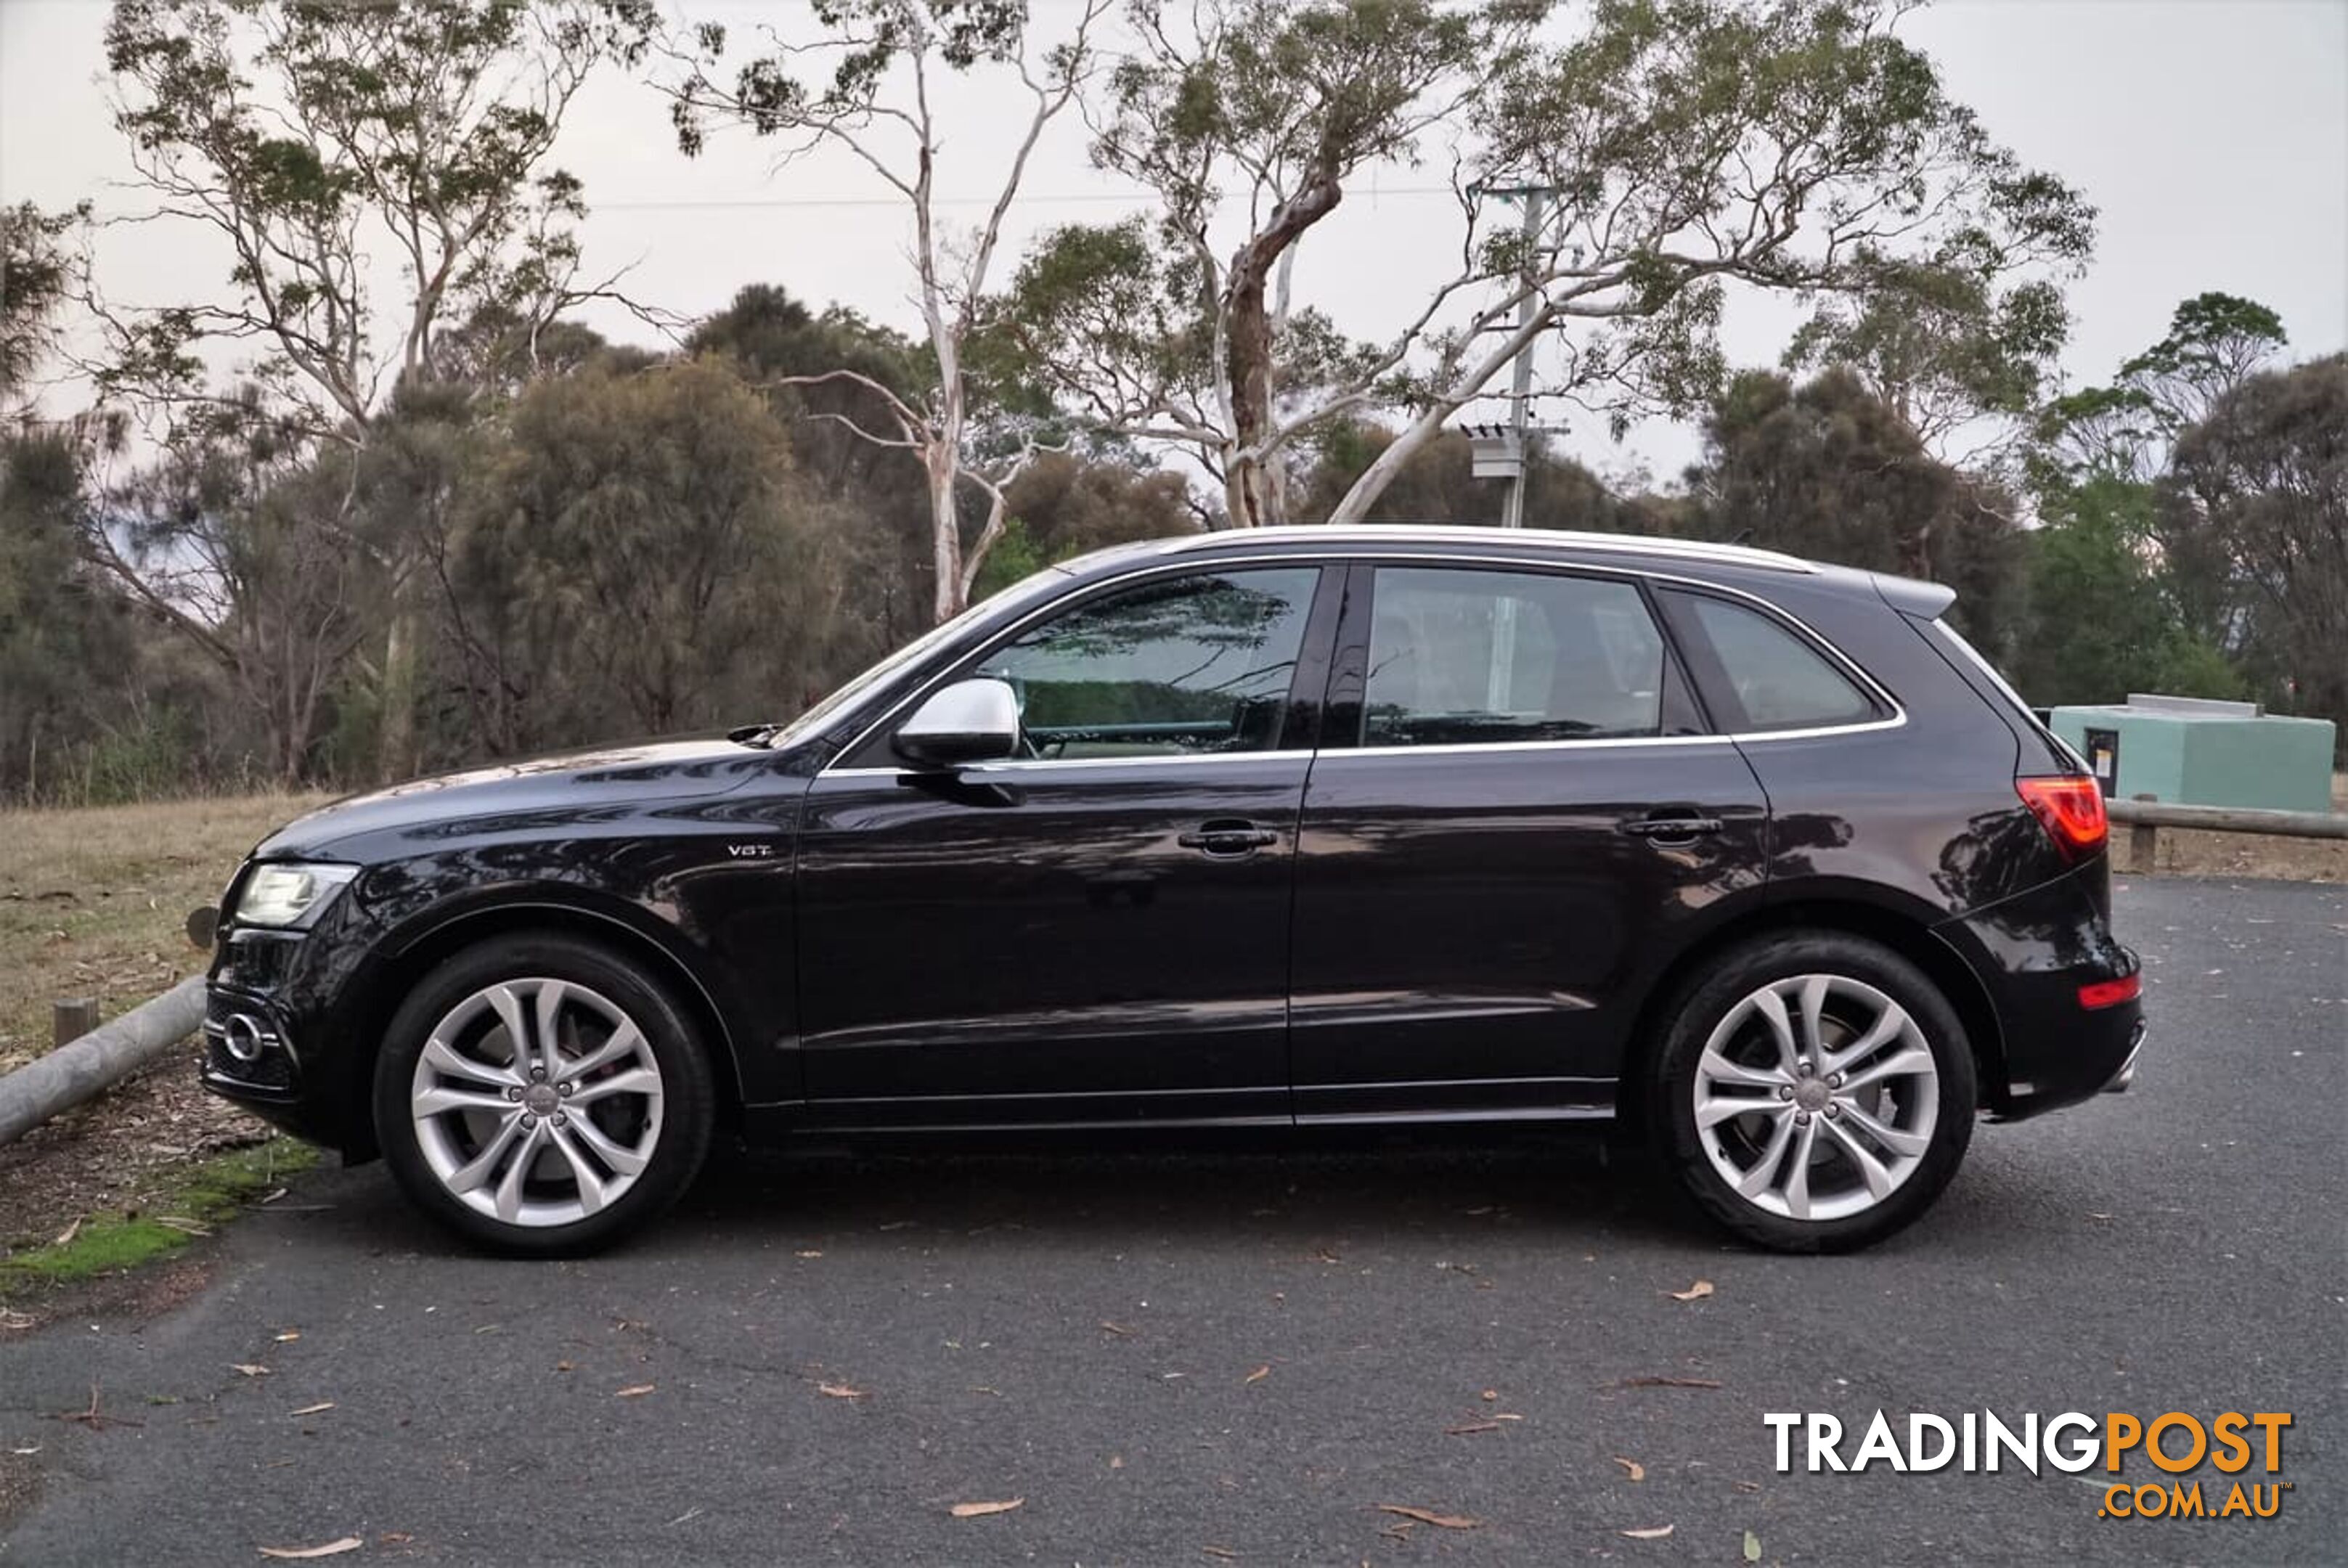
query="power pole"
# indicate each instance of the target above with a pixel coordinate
(1521, 373)
(1501, 676)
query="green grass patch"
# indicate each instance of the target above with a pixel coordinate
(206, 1194)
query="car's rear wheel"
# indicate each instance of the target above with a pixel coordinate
(541, 1095)
(1814, 1091)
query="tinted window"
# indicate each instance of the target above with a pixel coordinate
(1780, 680)
(1464, 656)
(1176, 666)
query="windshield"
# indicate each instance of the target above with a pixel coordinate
(914, 652)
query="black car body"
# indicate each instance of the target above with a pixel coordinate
(1454, 821)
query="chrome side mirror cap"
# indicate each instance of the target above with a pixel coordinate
(974, 721)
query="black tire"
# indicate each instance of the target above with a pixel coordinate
(678, 1131)
(1943, 1111)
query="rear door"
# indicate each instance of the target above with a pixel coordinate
(1518, 806)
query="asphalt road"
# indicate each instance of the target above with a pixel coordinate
(1213, 1356)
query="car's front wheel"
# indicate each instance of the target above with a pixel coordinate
(1814, 1091)
(539, 1094)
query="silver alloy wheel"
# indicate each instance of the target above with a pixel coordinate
(1816, 1097)
(537, 1101)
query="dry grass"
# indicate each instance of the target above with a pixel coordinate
(92, 903)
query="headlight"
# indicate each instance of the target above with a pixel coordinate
(284, 895)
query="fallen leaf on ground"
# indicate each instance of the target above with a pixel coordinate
(1752, 1547)
(839, 1391)
(314, 1409)
(331, 1549)
(808, 1254)
(974, 1510)
(1631, 1467)
(181, 1223)
(250, 1369)
(1426, 1516)
(1696, 1292)
(1471, 1427)
(288, 1336)
(1657, 1534)
(634, 1390)
(563, 1365)
(65, 1237)
(1668, 1383)
(1258, 1376)
(1119, 1329)
(394, 1538)
(1225, 1552)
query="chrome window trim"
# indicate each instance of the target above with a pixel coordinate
(1177, 562)
(1030, 764)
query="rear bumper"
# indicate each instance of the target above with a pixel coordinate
(2034, 952)
(2126, 1076)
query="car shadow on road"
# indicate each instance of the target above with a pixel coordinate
(1181, 1191)
(1563, 1191)
(1556, 1191)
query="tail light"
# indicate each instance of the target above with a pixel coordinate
(2111, 993)
(2070, 806)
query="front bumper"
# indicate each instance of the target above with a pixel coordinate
(250, 1057)
(274, 1039)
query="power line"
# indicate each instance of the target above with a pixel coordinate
(733, 203)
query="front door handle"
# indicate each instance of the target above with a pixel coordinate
(1227, 840)
(1671, 829)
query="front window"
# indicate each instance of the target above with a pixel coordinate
(1174, 666)
(997, 607)
(1463, 656)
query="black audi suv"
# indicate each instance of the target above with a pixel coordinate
(1276, 828)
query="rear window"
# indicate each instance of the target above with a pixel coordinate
(1470, 656)
(1773, 673)
(2019, 712)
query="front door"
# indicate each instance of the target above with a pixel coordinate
(1515, 809)
(1096, 931)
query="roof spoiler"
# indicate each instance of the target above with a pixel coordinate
(1911, 596)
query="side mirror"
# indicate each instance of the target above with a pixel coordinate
(974, 721)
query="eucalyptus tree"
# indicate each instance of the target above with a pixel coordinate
(865, 84)
(315, 143)
(2253, 513)
(1246, 121)
(1682, 148)
(2125, 429)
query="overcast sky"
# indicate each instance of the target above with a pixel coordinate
(2212, 134)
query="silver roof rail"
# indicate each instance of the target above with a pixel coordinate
(1452, 534)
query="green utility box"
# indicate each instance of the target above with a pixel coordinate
(2188, 751)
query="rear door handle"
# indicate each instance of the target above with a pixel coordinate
(1228, 839)
(1658, 829)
